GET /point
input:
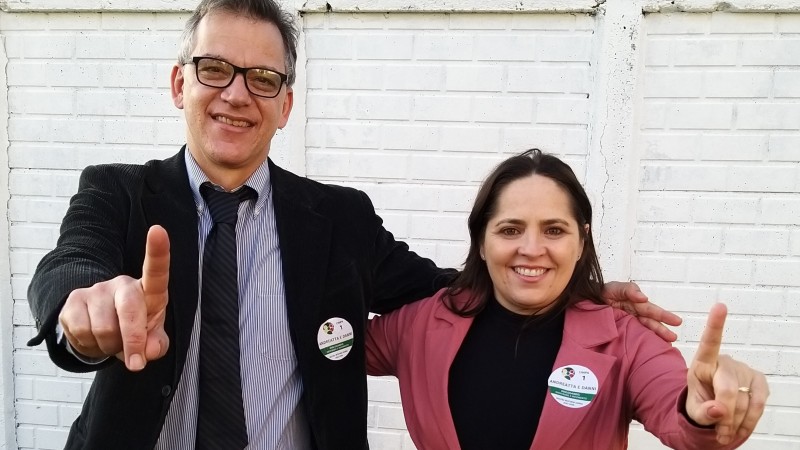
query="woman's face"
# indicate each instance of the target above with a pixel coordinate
(531, 244)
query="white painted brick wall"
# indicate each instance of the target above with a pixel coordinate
(718, 189)
(415, 109)
(436, 100)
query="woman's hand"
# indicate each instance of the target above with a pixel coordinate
(629, 298)
(722, 391)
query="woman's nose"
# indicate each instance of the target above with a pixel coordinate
(531, 245)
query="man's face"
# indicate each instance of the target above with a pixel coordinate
(229, 129)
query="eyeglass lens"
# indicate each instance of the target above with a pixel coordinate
(216, 73)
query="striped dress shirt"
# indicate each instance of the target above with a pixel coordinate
(271, 384)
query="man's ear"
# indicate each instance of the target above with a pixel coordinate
(286, 108)
(176, 85)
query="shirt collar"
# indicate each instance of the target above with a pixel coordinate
(259, 181)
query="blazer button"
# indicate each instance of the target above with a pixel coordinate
(166, 390)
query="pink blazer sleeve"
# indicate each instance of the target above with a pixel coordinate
(385, 339)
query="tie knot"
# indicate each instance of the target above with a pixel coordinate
(224, 206)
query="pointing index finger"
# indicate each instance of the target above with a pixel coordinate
(155, 270)
(710, 342)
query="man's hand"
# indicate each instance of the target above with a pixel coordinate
(123, 317)
(722, 391)
(628, 297)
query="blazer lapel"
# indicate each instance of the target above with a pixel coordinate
(441, 346)
(305, 239)
(167, 201)
(582, 332)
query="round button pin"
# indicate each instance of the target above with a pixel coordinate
(573, 386)
(335, 338)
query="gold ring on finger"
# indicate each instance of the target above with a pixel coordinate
(746, 390)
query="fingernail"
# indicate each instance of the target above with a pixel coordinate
(136, 362)
(723, 439)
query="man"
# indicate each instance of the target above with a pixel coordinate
(122, 294)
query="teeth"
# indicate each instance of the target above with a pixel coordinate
(235, 123)
(529, 272)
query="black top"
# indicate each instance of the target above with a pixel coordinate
(498, 380)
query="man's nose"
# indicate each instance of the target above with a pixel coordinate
(237, 93)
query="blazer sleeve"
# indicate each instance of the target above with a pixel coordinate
(657, 390)
(381, 344)
(90, 249)
(400, 276)
(385, 333)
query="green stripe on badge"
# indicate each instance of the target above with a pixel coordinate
(586, 397)
(337, 346)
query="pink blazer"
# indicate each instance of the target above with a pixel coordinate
(639, 376)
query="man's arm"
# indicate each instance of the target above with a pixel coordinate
(90, 251)
(401, 276)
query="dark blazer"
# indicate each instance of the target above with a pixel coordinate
(338, 261)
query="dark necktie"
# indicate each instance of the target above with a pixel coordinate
(220, 421)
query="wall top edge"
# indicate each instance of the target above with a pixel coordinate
(415, 6)
(439, 6)
(314, 5)
(41, 6)
(733, 6)
(99, 5)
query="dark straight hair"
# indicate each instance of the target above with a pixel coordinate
(587, 280)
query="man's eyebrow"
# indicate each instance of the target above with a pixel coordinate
(212, 55)
(221, 58)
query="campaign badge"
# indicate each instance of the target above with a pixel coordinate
(335, 338)
(573, 386)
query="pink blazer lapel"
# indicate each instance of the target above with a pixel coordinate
(442, 342)
(582, 332)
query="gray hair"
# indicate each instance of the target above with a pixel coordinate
(266, 10)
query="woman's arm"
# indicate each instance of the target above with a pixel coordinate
(692, 408)
(722, 391)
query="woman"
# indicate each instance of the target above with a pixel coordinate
(521, 353)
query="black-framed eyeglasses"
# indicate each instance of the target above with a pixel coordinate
(217, 73)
